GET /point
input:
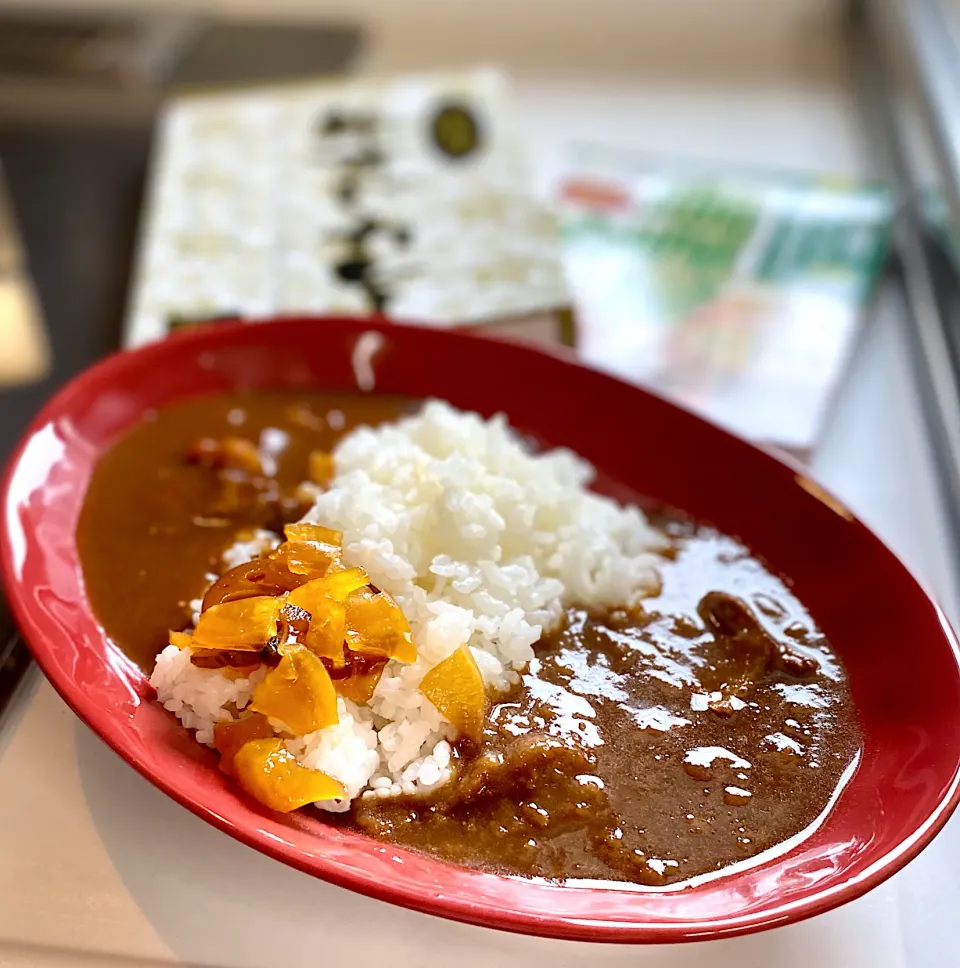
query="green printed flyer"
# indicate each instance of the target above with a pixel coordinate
(738, 295)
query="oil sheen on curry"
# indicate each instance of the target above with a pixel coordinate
(650, 745)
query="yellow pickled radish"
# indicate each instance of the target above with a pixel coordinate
(298, 692)
(182, 640)
(230, 736)
(455, 687)
(326, 632)
(337, 586)
(312, 559)
(307, 531)
(310, 549)
(377, 626)
(360, 686)
(245, 625)
(271, 774)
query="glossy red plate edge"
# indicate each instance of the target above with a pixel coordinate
(482, 899)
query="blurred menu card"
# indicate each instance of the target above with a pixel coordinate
(407, 197)
(738, 294)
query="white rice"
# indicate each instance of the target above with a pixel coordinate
(480, 541)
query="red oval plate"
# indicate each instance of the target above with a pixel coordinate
(901, 656)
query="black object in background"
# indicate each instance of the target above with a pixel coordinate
(76, 194)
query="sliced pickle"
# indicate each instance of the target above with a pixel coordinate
(308, 531)
(298, 692)
(245, 625)
(455, 687)
(270, 773)
(182, 640)
(361, 683)
(338, 587)
(230, 736)
(377, 626)
(326, 632)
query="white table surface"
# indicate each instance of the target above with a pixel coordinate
(151, 884)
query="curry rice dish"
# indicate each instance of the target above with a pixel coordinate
(407, 617)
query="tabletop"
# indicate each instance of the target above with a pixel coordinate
(99, 868)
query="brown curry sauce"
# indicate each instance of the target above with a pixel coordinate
(156, 518)
(650, 747)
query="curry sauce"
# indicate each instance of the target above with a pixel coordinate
(159, 512)
(652, 746)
